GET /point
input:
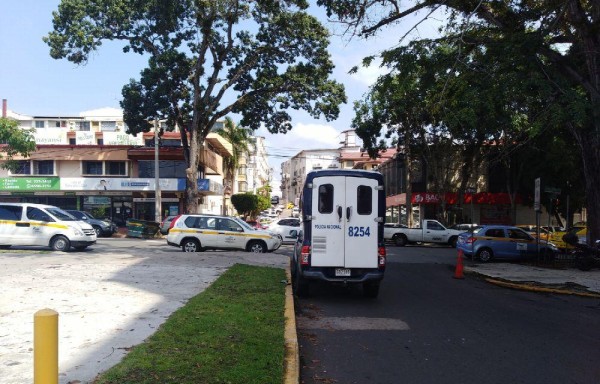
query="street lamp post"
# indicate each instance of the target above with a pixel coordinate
(157, 194)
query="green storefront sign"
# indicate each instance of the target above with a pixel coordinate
(29, 184)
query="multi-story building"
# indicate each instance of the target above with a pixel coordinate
(89, 162)
(348, 156)
(258, 171)
(484, 202)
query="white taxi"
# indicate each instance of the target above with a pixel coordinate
(198, 232)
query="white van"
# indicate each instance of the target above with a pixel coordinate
(42, 225)
(341, 236)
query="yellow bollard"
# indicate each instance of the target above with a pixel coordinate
(45, 347)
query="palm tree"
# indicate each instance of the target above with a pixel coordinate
(239, 138)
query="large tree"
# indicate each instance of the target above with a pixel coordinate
(14, 141)
(208, 58)
(561, 38)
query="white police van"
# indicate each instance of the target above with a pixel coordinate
(341, 236)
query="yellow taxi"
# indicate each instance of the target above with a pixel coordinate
(556, 237)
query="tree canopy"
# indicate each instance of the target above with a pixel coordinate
(207, 59)
(544, 59)
(14, 142)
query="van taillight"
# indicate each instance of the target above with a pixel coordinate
(471, 240)
(305, 255)
(381, 257)
(174, 221)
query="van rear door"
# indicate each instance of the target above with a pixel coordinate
(344, 226)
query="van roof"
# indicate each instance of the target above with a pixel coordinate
(30, 205)
(344, 172)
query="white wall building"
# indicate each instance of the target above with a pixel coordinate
(258, 171)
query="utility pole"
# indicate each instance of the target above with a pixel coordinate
(157, 196)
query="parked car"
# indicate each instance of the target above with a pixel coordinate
(195, 233)
(284, 227)
(166, 223)
(295, 212)
(532, 230)
(256, 224)
(496, 242)
(430, 231)
(103, 228)
(557, 237)
(43, 225)
(465, 227)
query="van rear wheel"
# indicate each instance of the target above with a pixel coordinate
(371, 289)
(60, 243)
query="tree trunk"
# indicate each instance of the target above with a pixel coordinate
(589, 142)
(191, 187)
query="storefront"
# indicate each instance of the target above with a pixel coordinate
(482, 208)
(116, 198)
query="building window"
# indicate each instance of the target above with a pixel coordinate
(28, 167)
(242, 170)
(243, 186)
(167, 169)
(23, 167)
(82, 125)
(109, 168)
(40, 124)
(108, 126)
(73, 141)
(44, 167)
(92, 168)
(57, 123)
(116, 168)
(100, 141)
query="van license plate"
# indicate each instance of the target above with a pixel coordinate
(342, 272)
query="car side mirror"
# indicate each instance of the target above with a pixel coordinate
(294, 234)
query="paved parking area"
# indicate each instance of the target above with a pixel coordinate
(109, 298)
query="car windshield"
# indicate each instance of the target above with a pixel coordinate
(80, 215)
(61, 215)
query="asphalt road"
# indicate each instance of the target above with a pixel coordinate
(426, 327)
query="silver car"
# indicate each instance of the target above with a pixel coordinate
(284, 227)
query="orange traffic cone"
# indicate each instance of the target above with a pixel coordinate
(458, 273)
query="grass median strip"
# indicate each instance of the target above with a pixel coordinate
(233, 332)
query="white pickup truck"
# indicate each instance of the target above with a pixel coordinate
(431, 231)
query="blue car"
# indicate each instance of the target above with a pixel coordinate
(502, 242)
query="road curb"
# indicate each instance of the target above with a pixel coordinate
(527, 287)
(292, 357)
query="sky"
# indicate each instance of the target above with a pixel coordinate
(35, 84)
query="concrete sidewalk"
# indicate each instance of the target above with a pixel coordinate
(567, 281)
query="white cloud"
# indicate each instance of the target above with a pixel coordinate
(368, 75)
